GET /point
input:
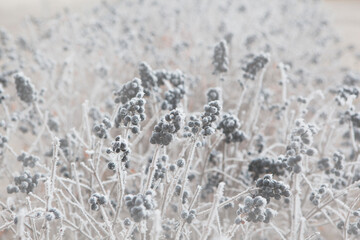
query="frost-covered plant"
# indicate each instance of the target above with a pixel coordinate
(174, 152)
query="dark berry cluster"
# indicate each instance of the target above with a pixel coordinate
(173, 96)
(353, 228)
(316, 196)
(101, 130)
(119, 146)
(24, 183)
(263, 165)
(131, 114)
(300, 141)
(230, 127)
(160, 169)
(188, 216)
(209, 117)
(162, 75)
(129, 91)
(270, 188)
(164, 131)
(346, 93)
(96, 200)
(27, 160)
(178, 188)
(192, 127)
(140, 206)
(228, 205)
(52, 214)
(25, 89)
(148, 78)
(254, 65)
(254, 210)
(220, 58)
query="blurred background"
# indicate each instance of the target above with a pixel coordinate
(343, 14)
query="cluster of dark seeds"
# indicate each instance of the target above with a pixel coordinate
(131, 114)
(178, 188)
(255, 210)
(141, 205)
(209, 117)
(96, 200)
(173, 96)
(27, 160)
(52, 214)
(228, 205)
(220, 58)
(101, 130)
(263, 165)
(148, 78)
(164, 131)
(270, 188)
(300, 141)
(345, 93)
(230, 127)
(192, 127)
(213, 94)
(316, 196)
(254, 65)
(25, 89)
(162, 75)
(129, 91)
(353, 228)
(188, 216)
(24, 183)
(119, 146)
(160, 169)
